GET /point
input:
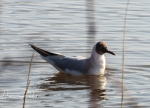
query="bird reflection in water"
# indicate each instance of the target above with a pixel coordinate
(97, 85)
(94, 83)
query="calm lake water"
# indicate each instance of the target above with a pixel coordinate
(60, 26)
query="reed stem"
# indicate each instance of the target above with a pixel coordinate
(28, 81)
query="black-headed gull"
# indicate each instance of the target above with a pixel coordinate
(94, 65)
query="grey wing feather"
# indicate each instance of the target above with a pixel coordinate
(66, 63)
(62, 63)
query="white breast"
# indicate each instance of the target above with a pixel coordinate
(97, 63)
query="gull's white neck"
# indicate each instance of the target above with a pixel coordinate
(97, 63)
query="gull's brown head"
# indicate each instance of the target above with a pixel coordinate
(102, 48)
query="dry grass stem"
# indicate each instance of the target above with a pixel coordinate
(28, 82)
(123, 49)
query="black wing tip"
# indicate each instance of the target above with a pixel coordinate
(35, 48)
(40, 51)
(43, 52)
(32, 46)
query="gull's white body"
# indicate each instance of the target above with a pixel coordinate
(97, 62)
(95, 65)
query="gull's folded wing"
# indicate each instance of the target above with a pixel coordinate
(45, 53)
